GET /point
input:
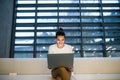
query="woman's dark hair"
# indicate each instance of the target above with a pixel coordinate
(60, 32)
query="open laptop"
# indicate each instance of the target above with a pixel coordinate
(55, 60)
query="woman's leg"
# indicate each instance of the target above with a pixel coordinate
(62, 73)
(58, 78)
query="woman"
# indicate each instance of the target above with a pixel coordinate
(61, 72)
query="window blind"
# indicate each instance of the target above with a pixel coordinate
(92, 27)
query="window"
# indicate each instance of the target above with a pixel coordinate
(91, 26)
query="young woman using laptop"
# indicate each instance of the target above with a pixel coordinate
(61, 72)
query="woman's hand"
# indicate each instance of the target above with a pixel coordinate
(71, 69)
(49, 67)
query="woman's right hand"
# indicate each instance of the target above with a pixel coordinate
(49, 67)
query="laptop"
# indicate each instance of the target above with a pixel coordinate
(56, 60)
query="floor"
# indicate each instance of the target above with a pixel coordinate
(73, 77)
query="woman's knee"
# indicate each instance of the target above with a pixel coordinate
(62, 69)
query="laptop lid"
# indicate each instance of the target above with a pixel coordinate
(56, 60)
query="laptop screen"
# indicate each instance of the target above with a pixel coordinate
(56, 60)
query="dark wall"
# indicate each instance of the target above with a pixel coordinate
(6, 13)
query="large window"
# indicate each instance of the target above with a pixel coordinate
(92, 27)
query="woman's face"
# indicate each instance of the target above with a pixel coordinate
(60, 41)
